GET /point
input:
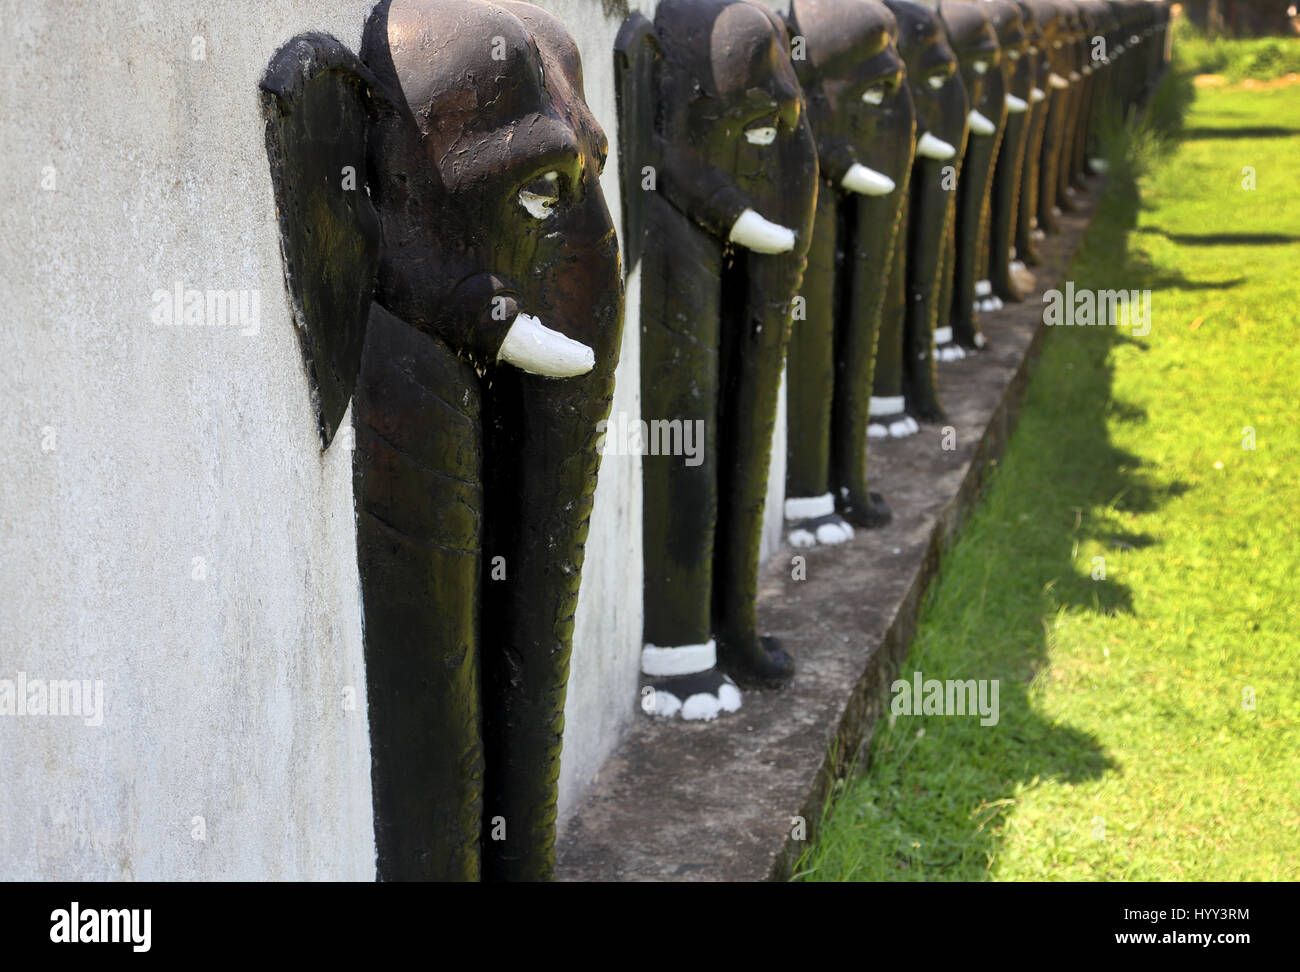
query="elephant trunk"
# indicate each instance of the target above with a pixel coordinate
(417, 469)
(874, 239)
(972, 213)
(1031, 177)
(541, 464)
(810, 371)
(1005, 205)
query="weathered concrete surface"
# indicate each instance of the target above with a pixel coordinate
(714, 801)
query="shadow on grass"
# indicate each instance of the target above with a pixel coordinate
(1261, 131)
(933, 800)
(1224, 239)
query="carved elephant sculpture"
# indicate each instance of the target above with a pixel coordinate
(1017, 35)
(904, 386)
(720, 182)
(971, 37)
(454, 273)
(862, 118)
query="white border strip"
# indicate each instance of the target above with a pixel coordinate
(682, 660)
(807, 507)
(886, 405)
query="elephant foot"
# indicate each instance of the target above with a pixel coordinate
(1023, 277)
(985, 298)
(872, 513)
(812, 520)
(698, 698)
(945, 348)
(756, 662)
(889, 419)
(684, 681)
(1038, 234)
(826, 530)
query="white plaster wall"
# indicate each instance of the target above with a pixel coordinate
(602, 699)
(168, 523)
(134, 450)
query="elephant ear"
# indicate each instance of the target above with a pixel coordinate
(317, 99)
(635, 51)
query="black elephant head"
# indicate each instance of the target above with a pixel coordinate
(727, 139)
(931, 70)
(847, 62)
(973, 40)
(453, 270)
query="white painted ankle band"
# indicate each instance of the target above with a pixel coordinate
(983, 288)
(885, 405)
(682, 660)
(942, 335)
(807, 507)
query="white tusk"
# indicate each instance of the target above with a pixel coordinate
(533, 347)
(869, 182)
(753, 232)
(1016, 106)
(930, 147)
(1085, 70)
(981, 66)
(1056, 81)
(874, 96)
(1075, 77)
(979, 124)
(1037, 94)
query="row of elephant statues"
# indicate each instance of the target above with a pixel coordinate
(830, 195)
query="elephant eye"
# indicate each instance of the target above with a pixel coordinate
(874, 95)
(540, 195)
(760, 134)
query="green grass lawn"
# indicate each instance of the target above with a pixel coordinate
(1256, 57)
(1149, 720)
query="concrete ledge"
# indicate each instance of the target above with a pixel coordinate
(691, 801)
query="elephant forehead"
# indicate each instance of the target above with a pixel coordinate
(555, 43)
(841, 32)
(917, 26)
(1006, 17)
(450, 57)
(745, 49)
